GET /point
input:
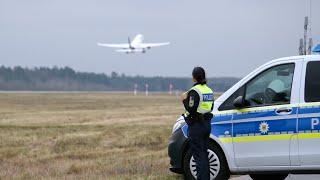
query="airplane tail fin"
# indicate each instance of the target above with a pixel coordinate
(129, 42)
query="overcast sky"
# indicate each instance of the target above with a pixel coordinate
(227, 37)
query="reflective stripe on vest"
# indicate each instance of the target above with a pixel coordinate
(206, 98)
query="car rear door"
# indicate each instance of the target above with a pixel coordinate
(309, 115)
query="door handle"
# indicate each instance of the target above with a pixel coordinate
(284, 111)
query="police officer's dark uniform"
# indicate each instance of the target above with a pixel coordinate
(198, 105)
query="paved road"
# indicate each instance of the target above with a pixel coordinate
(290, 177)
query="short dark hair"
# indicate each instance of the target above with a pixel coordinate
(199, 75)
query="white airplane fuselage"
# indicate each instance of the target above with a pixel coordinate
(134, 46)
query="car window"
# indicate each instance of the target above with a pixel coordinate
(312, 85)
(273, 86)
(228, 104)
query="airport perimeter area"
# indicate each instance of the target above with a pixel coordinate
(88, 136)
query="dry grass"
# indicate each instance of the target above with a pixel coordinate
(86, 136)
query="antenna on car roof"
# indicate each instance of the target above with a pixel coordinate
(306, 43)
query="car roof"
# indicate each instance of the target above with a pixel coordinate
(305, 57)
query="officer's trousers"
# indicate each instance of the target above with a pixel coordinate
(199, 132)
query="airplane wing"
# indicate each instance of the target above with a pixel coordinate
(122, 50)
(114, 45)
(149, 45)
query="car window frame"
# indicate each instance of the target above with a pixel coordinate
(275, 104)
(244, 87)
(305, 82)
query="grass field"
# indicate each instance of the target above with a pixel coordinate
(86, 135)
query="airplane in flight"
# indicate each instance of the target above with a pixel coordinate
(134, 46)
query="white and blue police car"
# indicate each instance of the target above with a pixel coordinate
(267, 125)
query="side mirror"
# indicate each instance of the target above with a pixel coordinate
(239, 102)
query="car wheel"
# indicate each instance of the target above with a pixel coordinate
(218, 165)
(268, 176)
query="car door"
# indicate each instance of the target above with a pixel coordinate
(262, 131)
(309, 116)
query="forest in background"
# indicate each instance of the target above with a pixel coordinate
(67, 79)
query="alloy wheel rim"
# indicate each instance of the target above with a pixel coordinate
(214, 164)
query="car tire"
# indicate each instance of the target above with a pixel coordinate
(268, 176)
(217, 161)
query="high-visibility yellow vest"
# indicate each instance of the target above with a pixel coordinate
(206, 98)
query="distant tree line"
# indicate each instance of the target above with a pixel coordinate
(67, 79)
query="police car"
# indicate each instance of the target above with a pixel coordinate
(267, 125)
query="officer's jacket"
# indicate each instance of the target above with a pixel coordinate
(199, 102)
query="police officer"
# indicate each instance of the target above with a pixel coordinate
(198, 103)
